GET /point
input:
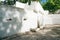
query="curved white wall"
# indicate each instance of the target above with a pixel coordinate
(10, 20)
(14, 20)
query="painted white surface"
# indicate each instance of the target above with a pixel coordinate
(41, 13)
(30, 16)
(34, 14)
(18, 22)
(19, 5)
(52, 19)
(9, 27)
(24, 18)
(30, 22)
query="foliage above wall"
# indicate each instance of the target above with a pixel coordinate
(52, 5)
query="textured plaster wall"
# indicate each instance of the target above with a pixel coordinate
(15, 20)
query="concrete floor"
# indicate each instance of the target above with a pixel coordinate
(49, 33)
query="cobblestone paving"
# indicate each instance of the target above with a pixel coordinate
(52, 33)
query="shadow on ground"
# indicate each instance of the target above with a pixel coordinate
(46, 34)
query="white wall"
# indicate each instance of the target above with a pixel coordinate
(52, 19)
(21, 20)
(9, 27)
(30, 21)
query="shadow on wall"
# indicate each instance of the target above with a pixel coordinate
(10, 20)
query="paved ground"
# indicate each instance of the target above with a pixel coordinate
(49, 33)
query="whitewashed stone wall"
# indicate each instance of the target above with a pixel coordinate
(10, 20)
(52, 19)
(15, 20)
(29, 21)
